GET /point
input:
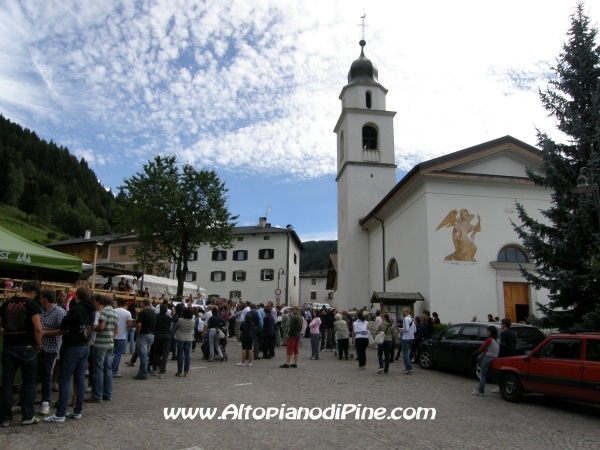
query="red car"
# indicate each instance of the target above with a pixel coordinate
(564, 365)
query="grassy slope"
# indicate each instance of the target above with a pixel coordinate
(12, 219)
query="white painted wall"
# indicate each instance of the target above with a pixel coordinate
(407, 243)
(252, 289)
(322, 293)
(355, 97)
(360, 187)
(455, 290)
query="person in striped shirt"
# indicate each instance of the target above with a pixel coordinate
(106, 330)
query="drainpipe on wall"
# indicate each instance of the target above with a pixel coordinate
(287, 271)
(383, 248)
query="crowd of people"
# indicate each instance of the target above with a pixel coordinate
(58, 342)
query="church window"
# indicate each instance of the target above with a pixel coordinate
(341, 148)
(369, 135)
(368, 99)
(512, 254)
(392, 271)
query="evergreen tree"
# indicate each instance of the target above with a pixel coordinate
(15, 184)
(566, 249)
(29, 197)
(43, 210)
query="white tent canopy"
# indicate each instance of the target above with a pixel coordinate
(158, 285)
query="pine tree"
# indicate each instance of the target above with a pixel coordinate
(566, 248)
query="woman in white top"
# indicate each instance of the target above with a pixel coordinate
(361, 339)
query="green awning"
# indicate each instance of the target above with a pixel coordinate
(22, 259)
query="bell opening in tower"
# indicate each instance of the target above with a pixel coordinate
(369, 135)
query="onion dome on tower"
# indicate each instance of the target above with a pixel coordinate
(362, 69)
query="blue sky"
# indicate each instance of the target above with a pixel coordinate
(250, 88)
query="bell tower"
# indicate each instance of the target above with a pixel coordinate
(366, 172)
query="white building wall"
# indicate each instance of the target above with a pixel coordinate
(360, 187)
(322, 293)
(355, 97)
(461, 290)
(253, 288)
(405, 242)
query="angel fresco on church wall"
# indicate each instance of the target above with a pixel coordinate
(463, 234)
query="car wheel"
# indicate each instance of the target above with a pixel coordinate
(425, 359)
(511, 388)
(477, 370)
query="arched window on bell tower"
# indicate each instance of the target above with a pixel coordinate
(368, 99)
(369, 135)
(341, 146)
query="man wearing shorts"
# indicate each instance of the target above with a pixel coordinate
(294, 335)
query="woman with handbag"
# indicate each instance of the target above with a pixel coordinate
(360, 334)
(215, 322)
(384, 340)
(489, 351)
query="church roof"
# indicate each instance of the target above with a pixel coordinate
(112, 238)
(440, 163)
(396, 298)
(362, 69)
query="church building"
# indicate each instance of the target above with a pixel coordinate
(442, 238)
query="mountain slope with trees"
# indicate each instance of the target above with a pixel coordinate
(315, 255)
(50, 185)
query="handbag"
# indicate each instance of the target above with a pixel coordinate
(220, 334)
(380, 337)
(371, 340)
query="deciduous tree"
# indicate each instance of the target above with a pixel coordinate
(173, 211)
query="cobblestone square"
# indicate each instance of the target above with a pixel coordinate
(135, 417)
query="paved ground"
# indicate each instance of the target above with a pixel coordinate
(135, 419)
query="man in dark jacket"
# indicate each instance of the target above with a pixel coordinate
(508, 343)
(77, 326)
(268, 335)
(508, 339)
(22, 331)
(429, 325)
(258, 326)
(329, 325)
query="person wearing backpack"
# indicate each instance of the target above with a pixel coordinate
(408, 336)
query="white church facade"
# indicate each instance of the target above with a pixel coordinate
(442, 235)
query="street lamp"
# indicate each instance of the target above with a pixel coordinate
(279, 273)
(586, 185)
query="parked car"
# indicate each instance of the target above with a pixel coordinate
(457, 346)
(564, 365)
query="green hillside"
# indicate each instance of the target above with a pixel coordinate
(315, 255)
(49, 185)
(12, 219)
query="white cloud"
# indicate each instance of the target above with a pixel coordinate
(253, 86)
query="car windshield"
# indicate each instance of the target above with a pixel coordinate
(528, 336)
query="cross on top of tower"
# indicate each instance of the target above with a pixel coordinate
(362, 42)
